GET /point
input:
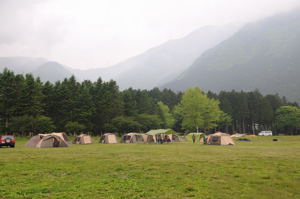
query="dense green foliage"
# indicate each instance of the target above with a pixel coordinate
(258, 169)
(198, 111)
(287, 119)
(29, 106)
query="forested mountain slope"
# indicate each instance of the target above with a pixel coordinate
(162, 63)
(262, 55)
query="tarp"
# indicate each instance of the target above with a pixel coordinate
(237, 135)
(161, 131)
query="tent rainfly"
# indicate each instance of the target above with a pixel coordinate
(83, 139)
(132, 138)
(220, 139)
(108, 138)
(46, 141)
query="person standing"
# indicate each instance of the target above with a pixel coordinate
(194, 138)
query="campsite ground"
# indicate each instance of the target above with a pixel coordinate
(257, 169)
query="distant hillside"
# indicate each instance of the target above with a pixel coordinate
(162, 63)
(262, 55)
(21, 64)
(52, 71)
(39, 67)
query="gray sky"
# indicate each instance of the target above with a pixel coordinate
(99, 33)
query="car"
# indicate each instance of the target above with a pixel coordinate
(7, 140)
(265, 133)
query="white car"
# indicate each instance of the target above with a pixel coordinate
(265, 133)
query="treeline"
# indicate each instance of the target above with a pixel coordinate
(252, 112)
(29, 106)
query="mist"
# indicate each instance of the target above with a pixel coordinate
(95, 34)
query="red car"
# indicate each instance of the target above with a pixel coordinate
(7, 140)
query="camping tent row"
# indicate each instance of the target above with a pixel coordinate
(154, 136)
(56, 140)
(145, 138)
(48, 140)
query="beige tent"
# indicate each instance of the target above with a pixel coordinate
(219, 139)
(83, 139)
(132, 138)
(62, 135)
(46, 141)
(148, 138)
(108, 138)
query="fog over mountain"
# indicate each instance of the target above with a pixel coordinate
(147, 70)
(160, 64)
(262, 55)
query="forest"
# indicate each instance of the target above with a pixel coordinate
(29, 106)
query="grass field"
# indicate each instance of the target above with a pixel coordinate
(259, 169)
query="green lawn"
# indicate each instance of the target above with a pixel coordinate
(258, 169)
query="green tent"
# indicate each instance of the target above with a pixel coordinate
(164, 134)
(161, 131)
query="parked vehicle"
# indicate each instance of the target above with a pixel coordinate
(7, 140)
(265, 133)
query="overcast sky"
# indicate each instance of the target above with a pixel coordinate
(99, 33)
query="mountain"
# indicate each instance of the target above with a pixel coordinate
(39, 67)
(262, 55)
(52, 71)
(21, 64)
(159, 64)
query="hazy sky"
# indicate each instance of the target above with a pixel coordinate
(99, 33)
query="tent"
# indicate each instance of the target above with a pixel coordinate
(46, 141)
(173, 137)
(108, 138)
(220, 139)
(148, 138)
(163, 135)
(83, 139)
(132, 138)
(199, 137)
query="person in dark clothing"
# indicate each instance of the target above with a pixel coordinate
(194, 138)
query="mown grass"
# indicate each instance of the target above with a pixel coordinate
(257, 169)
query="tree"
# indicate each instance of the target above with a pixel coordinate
(126, 124)
(148, 121)
(108, 104)
(44, 124)
(74, 127)
(198, 111)
(22, 124)
(224, 120)
(287, 119)
(165, 115)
